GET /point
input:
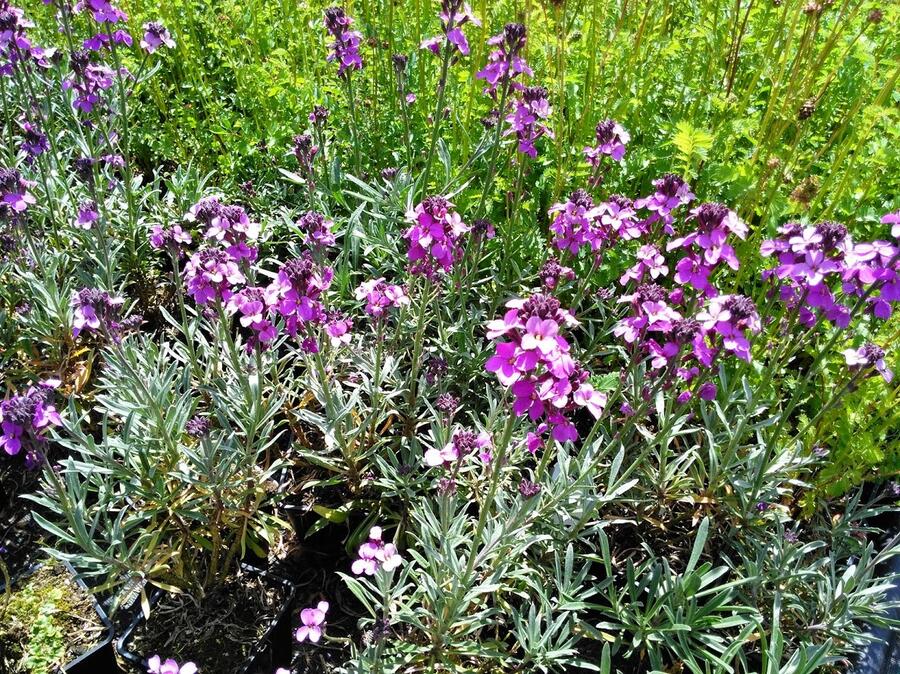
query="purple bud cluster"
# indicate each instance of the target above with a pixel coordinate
(505, 62)
(464, 442)
(316, 230)
(96, 311)
(611, 141)
(535, 363)
(434, 237)
(226, 225)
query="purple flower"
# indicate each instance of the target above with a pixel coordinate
(708, 391)
(650, 261)
(345, 48)
(505, 62)
(529, 489)
(552, 272)
(34, 142)
(156, 665)
(337, 327)
(211, 275)
(381, 296)
(375, 554)
(434, 237)
(88, 81)
(525, 121)
(316, 230)
(454, 14)
(305, 152)
(714, 223)
(197, 426)
(869, 355)
(577, 224)
(731, 317)
(463, 443)
(893, 219)
(226, 225)
(319, 115)
(447, 403)
(25, 418)
(102, 11)
(155, 36)
(95, 311)
(14, 193)
(611, 141)
(254, 306)
(313, 620)
(87, 215)
(173, 238)
(671, 192)
(298, 288)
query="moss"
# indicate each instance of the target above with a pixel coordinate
(46, 622)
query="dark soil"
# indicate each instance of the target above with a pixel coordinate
(217, 632)
(19, 535)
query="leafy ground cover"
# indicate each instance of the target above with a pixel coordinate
(520, 337)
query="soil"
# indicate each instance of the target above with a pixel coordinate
(217, 632)
(46, 622)
(19, 535)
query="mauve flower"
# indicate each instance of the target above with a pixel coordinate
(197, 426)
(103, 12)
(254, 306)
(529, 489)
(708, 391)
(525, 121)
(316, 230)
(552, 272)
(505, 62)
(611, 141)
(95, 309)
(34, 142)
(447, 403)
(577, 223)
(434, 237)
(345, 47)
(337, 327)
(454, 14)
(319, 115)
(381, 296)
(24, 420)
(375, 554)
(156, 665)
(893, 219)
(313, 620)
(87, 215)
(714, 223)
(866, 356)
(227, 225)
(212, 274)
(671, 192)
(173, 238)
(14, 192)
(298, 287)
(155, 36)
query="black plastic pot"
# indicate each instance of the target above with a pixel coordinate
(271, 651)
(100, 658)
(882, 656)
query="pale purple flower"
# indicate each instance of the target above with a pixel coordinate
(87, 215)
(102, 11)
(34, 141)
(95, 311)
(337, 327)
(893, 219)
(866, 356)
(14, 192)
(454, 14)
(156, 665)
(381, 296)
(526, 119)
(254, 306)
(155, 36)
(316, 230)
(375, 554)
(212, 274)
(298, 288)
(173, 238)
(313, 620)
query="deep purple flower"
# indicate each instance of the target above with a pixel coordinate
(198, 426)
(313, 622)
(708, 391)
(95, 311)
(526, 119)
(611, 141)
(298, 288)
(345, 47)
(25, 418)
(671, 192)
(319, 115)
(227, 225)
(155, 36)
(447, 403)
(375, 554)
(869, 355)
(14, 193)
(529, 489)
(435, 368)
(434, 237)
(454, 15)
(505, 62)
(87, 215)
(212, 274)
(34, 141)
(316, 230)
(552, 272)
(305, 151)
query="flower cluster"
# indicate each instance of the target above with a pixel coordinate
(552, 272)
(381, 296)
(536, 364)
(297, 291)
(345, 48)
(525, 121)
(24, 420)
(313, 622)
(463, 443)
(87, 81)
(253, 306)
(578, 222)
(454, 15)
(211, 275)
(155, 36)
(305, 151)
(156, 665)
(434, 237)
(819, 265)
(226, 225)
(34, 141)
(505, 62)
(316, 230)
(867, 356)
(671, 192)
(102, 11)
(97, 311)
(611, 141)
(375, 554)
(172, 238)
